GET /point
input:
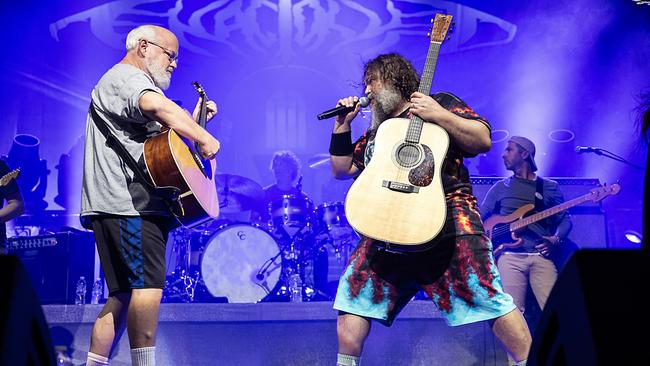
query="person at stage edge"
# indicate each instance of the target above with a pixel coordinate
(130, 223)
(378, 283)
(530, 262)
(15, 205)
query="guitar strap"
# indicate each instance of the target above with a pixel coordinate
(169, 194)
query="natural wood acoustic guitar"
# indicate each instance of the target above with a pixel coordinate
(398, 198)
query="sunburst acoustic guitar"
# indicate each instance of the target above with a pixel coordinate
(172, 160)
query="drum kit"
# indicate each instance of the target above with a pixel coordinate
(238, 259)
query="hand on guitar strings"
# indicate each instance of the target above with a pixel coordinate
(211, 108)
(209, 146)
(548, 243)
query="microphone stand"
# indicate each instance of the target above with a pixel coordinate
(611, 155)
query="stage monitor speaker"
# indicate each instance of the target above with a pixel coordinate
(595, 314)
(55, 262)
(589, 221)
(24, 335)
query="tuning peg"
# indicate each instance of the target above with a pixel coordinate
(429, 34)
(431, 20)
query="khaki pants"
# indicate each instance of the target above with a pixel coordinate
(519, 269)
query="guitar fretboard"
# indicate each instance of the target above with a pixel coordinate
(520, 224)
(426, 80)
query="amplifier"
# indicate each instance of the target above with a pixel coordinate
(19, 243)
(55, 262)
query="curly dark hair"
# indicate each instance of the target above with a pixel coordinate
(395, 71)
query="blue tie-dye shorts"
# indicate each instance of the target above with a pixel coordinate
(459, 274)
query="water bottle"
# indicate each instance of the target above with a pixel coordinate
(80, 299)
(295, 288)
(98, 291)
(62, 357)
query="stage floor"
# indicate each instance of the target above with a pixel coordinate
(284, 334)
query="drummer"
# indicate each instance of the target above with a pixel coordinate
(285, 166)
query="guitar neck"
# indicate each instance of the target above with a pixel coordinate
(520, 224)
(426, 80)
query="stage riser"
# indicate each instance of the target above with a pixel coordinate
(272, 335)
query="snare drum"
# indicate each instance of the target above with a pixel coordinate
(332, 220)
(240, 261)
(291, 213)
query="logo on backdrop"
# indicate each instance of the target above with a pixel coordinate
(284, 28)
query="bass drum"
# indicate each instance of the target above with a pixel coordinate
(241, 262)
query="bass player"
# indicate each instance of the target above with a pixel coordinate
(526, 261)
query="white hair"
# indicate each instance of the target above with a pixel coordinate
(147, 32)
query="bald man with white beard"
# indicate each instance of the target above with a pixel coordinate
(130, 223)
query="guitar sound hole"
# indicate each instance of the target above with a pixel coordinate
(408, 155)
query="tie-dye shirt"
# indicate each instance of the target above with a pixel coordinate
(463, 217)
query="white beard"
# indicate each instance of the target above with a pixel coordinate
(385, 103)
(159, 74)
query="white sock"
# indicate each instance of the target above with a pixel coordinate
(347, 360)
(97, 360)
(145, 356)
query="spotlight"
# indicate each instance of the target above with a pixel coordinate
(633, 237)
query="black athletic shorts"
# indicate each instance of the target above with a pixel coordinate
(132, 251)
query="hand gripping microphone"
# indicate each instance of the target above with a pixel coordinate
(364, 101)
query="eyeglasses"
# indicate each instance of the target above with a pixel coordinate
(171, 55)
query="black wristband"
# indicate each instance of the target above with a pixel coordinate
(341, 144)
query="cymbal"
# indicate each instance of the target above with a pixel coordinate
(237, 193)
(319, 161)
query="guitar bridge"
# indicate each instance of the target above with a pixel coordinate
(400, 187)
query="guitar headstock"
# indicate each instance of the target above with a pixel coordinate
(9, 176)
(199, 89)
(599, 193)
(441, 24)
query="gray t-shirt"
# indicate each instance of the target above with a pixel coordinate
(109, 184)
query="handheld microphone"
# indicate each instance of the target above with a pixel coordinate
(586, 149)
(336, 111)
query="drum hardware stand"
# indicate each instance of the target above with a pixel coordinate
(261, 274)
(293, 252)
(181, 284)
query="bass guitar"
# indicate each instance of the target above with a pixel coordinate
(502, 230)
(398, 198)
(173, 160)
